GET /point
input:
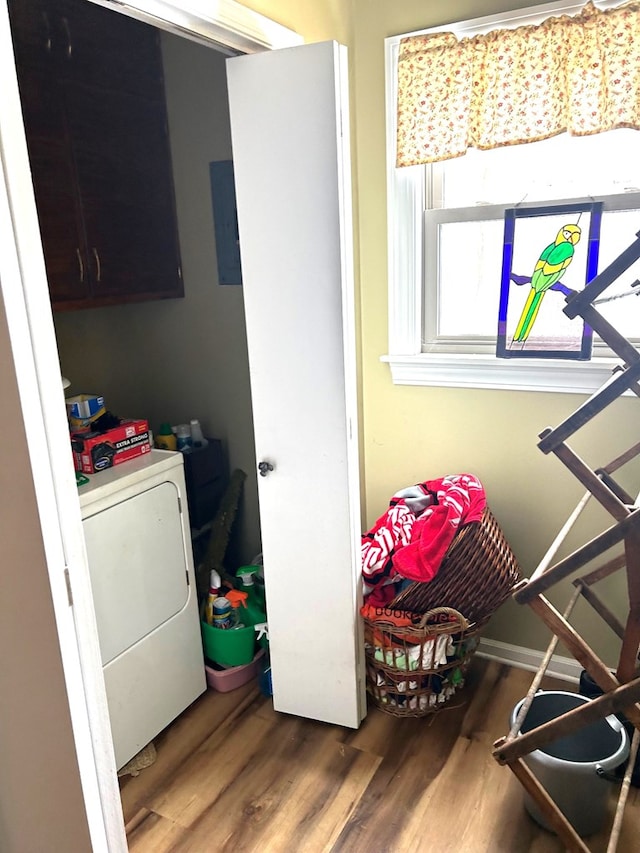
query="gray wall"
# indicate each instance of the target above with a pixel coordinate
(177, 359)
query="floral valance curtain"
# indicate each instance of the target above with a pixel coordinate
(579, 74)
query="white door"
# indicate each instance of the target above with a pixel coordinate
(289, 127)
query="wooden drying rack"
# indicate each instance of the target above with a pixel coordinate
(621, 692)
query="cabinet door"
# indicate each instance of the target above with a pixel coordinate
(76, 40)
(34, 33)
(93, 102)
(54, 180)
(104, 50)
(123, 166)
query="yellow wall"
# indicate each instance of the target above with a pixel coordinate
(412, 434)
(314, 20)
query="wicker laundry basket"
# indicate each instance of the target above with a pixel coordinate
(476, 576)
(413, 671)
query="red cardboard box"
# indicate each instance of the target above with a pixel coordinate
(95, 451)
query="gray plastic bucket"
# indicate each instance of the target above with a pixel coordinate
(573, 768)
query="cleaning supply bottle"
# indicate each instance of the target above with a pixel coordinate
(238, 601)
(264, 673)
(245, 576)
(255, 601)
(214, 592)
(197, 437)
(165, 439)
(184, 442)
(224, 615)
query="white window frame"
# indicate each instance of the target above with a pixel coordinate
(407, 249)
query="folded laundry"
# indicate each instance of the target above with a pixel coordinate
(429, 655)
(412, 537)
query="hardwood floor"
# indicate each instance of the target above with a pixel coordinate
(233, 775)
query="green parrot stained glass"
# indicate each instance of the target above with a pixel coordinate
(529, 332)
(549, 269)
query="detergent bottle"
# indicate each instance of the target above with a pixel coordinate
(165, 439)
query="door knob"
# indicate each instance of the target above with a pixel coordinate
(264, 468)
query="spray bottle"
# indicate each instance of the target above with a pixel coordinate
(214, 591)
(238, 600)
(255, 600)
(264, 674)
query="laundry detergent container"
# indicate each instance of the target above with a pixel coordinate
(574, 769)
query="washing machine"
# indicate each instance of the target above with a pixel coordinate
(137, 534)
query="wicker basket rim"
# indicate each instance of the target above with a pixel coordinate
(458, 624)
(494, 578)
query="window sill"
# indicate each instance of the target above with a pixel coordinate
(483, 371)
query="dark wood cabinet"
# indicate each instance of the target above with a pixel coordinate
(92, 93)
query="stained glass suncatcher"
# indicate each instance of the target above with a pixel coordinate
(548, 252)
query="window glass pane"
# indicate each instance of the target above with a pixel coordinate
(558, 168)
(469, 270)
(618, 231)
(470, 263)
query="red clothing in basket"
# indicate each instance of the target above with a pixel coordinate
(412, 537)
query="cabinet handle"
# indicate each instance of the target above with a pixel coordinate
(65, 23)
(80, 264)
(98, 267)
(47, 41)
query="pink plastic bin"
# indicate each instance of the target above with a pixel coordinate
(224, 680)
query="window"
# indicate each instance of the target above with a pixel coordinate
(443, 302)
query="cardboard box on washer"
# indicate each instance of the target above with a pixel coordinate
(95, 451)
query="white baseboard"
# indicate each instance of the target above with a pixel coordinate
(567, 669)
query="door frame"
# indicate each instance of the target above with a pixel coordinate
(231, 28)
